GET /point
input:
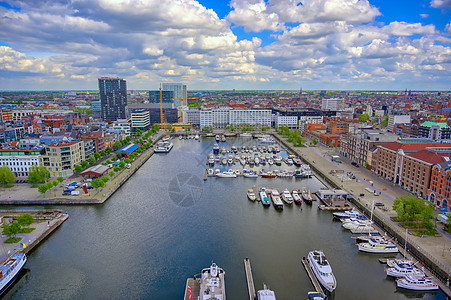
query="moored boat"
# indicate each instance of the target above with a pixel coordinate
(264, 197)
(212, 283)
(417, 283)
(286, 197)
(251, 194)
(275, 197)
(296, 197)
(266, 294)
(227, 174)
(322, 269)
(215, 148)
(315, 296)
(163, 147)
(401, 270)
(307, 196)
(268, 175)
(378, 245)
(10, 269)
(217, 138)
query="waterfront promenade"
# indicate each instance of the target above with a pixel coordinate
(436, 248)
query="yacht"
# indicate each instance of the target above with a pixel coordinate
(307, 196)
(323, 271)
(346, 214)
(224, 161)
(297, 161)
(266, 294)
(164, 147)
(223, 139)
(251, 174)
(297, 199)
(251, 194)
(211, 161)
(264, 197)
(417, 283)
(356, 224)
(216, 149)
(275, 197)
(315, 296)
(392, 262)
(217, 138)
(196, 137)
(212, 284)
(268, 175)
(289, 161)
(401, 270)
(286, 196)
(270, 161)
(378, 245)
(227, 174)
(10, 269)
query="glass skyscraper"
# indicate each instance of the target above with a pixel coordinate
(113, 98)
(167, 96)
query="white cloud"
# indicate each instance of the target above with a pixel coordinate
(441, 3)
(11, 60)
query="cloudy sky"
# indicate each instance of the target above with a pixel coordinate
(217, 44)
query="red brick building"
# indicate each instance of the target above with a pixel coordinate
(440, 186)
(330, 139)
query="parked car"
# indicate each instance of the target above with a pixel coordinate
(75, 193)
(362, 194)
(88, 179)
(379, 204)
(66, 193)
(70, 188)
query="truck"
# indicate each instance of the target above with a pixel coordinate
(335, 158)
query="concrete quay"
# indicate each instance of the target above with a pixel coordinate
(45, 223)
(433, 251)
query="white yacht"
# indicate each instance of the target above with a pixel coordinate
(164, 147)
(10, 269)
(251, 194)
(357, 224)
(275, 197)
(346, 214)
(323, 271)
(196, 137)
(212, 284)
(401, 270)
(417, 283)
(392, 262)
(286, 197)
(266, 294)
(378, 245)
(226, 174)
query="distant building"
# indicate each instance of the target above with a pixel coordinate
(113, 98)
(170, 114)
(179, 91)
(167, 96)
(193, 117)
(140, 119)
(397, 119)
(332, 104)
(434, 131)
(289, 121)
(96, 109)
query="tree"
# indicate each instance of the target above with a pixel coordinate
(108, 162)
(84, 164)
(411, 209)
(38, 174)
(138, 132)
(117, 145)
(60, 179)
(55, 182)
(105, 178)
(97, 183)
(155, 127)
(42, 188)
(78, 168)
(7, 176)
(111, 173)
(11, 230)
(96, 155)
(116, 169)
(122, 164)
(103, 153)
(314, 141)
(364, 117)
(385, 123)
(114, 157)
(25, 220)
(127, 160)
(108, 150)
(91, 160)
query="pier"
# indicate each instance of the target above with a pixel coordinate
(249, 279)
(194, 285)
(312, 277)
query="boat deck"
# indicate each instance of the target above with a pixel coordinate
(312, 277)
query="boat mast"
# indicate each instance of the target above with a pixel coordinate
(405, 245)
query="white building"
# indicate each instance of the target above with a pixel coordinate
(140, 119)
(250, 117)
(289, 121)
(397, 119)
(19, 161)
(123, 125)
(303, 120)
(332, 104)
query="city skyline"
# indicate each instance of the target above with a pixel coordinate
(243, 45)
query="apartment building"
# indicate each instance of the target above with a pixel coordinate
(20, 161)
(435, 131)
(60, 158)
(291, 122)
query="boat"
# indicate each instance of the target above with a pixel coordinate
(286, 197)
(289, 161)
(417, 283)
(227, 174)
(224, 161)
(300, 174)
(307, 196)
(242, 161)
(322, 269)
(196, 137)
(266, 294)
(10, 269)
(356, 224)
(217, 138)
(216, 149)
(250, 174)
(230, 161)
(378, 245)
(346, 214)
(401, 270)
(297, 161)
(256, 160)
(270, 161)
(211, 160)
(166, 139)
(266, 139)
(264, 197)
(212, 284)
(276, 201)
(163, 147)
(180, 137)
(251, 194)
(223, 139)
(315, 296)
(392, 262)
(210, 171)
(268, 174)
(297, 199)
(306, 170)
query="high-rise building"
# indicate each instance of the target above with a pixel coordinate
(113, 98)
(167, 96)
(179, 90)
(140, 119)
(96, 109)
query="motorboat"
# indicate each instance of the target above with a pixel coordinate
(307, 196)
(216, 149)
(196, 137)
(264, 197)
(10, 269)
(346, 214)
(297, 161)
(266, 294)
(212, 283)
(401, 270)
(289, 161)
(275, 197)
(164, 147)
(270, 161)
(306, 170)
(210, 171)
(217, 138)
(417, 283)
(356, 224)
(251, 194)
(392, 262)
(223, 138)
(286, 197)
(224, 161)
(378, 245)
(322, 269)
(250, 174)
(296, 197)
(180, 137)
(268, 174)
(227, 174)
(315, 296)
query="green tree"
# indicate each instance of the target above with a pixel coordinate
(25, 220)
(155, 127)
(111, 173)
(78, 168)
(97, 183)
(127, 160)
(60, 179)
(55, 182)
(314, 141)
(117, 145)
(122, 164)
(364, 117)
(108, 150)
(411, 209)
(42, 188)
(116, 169)
(108, 162)
(138, 132)
(84, 164)
(114, 157)
(7, 176)
(105, 178)
(103, 153)
(91, 160)
(97, 155)
(38, 174)
(11, 229)
(385, 123)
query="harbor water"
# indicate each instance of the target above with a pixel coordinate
(165, 224)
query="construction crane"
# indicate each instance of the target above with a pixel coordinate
(161, 111)
(180, 107)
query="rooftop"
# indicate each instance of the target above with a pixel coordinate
(430, 124)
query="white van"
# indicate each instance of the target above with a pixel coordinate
(75, 193)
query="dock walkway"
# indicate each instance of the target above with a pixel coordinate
(194, 285)
(312, 276)
(249, 279)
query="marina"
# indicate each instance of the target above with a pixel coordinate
(174, 235)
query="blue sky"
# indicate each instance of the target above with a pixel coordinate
(241, 44)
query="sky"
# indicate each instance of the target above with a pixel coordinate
(222, 45)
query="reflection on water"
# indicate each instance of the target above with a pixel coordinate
(166, 224)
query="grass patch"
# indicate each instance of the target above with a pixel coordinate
(27, 230)
(34, 186)
(424, 232)
(13, 240)
(7, 186)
